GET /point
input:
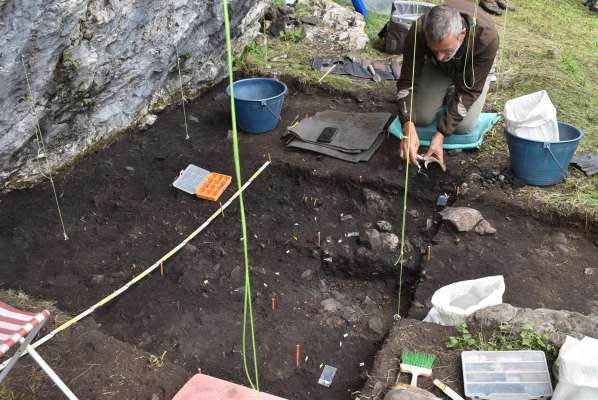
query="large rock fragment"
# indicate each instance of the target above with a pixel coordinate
(466, 219)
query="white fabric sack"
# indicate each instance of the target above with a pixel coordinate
(532, 117)
(453, 303)
(577, 370)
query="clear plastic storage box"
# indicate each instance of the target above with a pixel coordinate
(506, 375)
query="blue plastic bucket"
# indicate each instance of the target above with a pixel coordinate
(542, 163)
(360, 7)
(258, 103)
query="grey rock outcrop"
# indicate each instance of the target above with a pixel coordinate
(557, 324)
(98, 67)
(341, 26)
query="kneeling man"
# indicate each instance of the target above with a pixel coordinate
(454, 47)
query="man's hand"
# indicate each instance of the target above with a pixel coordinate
(409, 143)
(435, 148)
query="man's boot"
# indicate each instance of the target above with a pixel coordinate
(491, 7)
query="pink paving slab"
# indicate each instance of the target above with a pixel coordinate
(205, 387)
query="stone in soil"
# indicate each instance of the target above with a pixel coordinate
(371, 239)
(462, 218)
(350, 314)
(414, 213)
(384, 226)
(375, 202)
(390, 242)
(378, 261)
(331, 305)
(376, 325)
(484, 228)
(307, 274)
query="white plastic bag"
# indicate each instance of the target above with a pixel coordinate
(577, 370)
(532, 117)
(453, 303)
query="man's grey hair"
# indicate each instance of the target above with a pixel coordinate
(441, 21)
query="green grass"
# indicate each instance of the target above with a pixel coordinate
(373, 25)
(502, 338)
(293, 36)
(286, 58)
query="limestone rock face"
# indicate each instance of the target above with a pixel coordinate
(343, 27)
(97, 67)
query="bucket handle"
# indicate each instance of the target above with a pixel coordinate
(265, 104)
(547, 147)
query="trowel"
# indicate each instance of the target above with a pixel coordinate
(375, 76)
(430, 160)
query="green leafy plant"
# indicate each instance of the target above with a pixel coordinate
(502, 338)
(24, 98)
(293, 36)
(88, 103)
(69, 62)
(186, 56)
(253, 51)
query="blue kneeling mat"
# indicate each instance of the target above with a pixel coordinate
(471, 140)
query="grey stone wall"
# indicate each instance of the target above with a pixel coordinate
(100, 66)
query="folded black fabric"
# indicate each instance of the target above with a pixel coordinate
(354, 66)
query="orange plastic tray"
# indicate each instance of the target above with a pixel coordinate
(213, 186)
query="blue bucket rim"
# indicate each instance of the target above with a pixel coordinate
(581, 134)
(284, 92)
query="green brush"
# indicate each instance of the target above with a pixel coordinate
(417, 364)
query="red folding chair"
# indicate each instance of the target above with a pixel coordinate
(18, 326)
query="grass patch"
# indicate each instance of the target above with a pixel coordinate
(292, 58)
(373, 25)
(293, 36)
(502, 339)
(6, 393)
